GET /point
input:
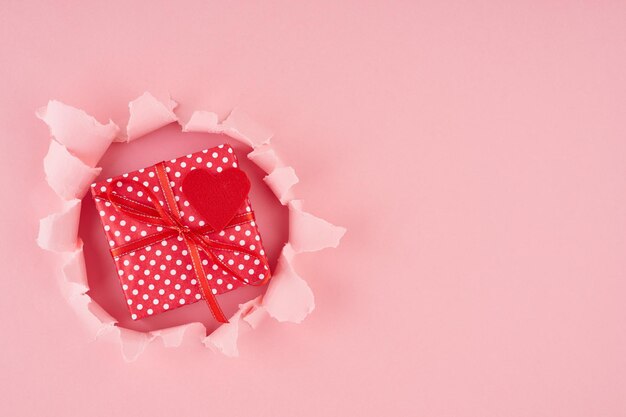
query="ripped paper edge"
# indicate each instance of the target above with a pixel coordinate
(288, 296)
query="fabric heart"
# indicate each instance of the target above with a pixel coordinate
(217, 197)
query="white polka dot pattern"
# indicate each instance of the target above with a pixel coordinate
(160, 277)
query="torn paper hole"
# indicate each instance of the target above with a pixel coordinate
(81, 143)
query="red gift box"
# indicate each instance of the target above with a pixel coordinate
(167, 254)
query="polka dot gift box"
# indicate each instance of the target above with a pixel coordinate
(182, 231)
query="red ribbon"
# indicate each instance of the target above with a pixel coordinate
(170, 219)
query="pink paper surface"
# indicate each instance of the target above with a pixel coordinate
(476, 153)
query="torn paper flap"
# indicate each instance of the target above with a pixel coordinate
(134, 343)
(93, 317)
(308, 233)
(224, 338)
(238, 125)
(265, 158)
(173, 336)
(288, 297)
(280, 181)
(58, 232)
(74, 269)
(72, 290)
(148, 114)
(255, 312)
(80, 133)
(204, 122)
(67, 175)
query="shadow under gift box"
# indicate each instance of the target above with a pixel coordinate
(160, 275)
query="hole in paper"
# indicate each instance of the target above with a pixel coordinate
(165, 144)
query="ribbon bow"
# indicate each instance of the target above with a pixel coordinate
(172, 225)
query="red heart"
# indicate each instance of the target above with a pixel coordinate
(217, 197)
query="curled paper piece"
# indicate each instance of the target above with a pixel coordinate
(280, 181)
(173, 336)
(308, 233)
(102, 326)
(256, 314)
(80, 133)
(224, 338)
(203, 121)
(74, 269)
(67, 175)
(148, 114)
(288, 297)
(80, 143)
(134, 343)
(265, 157)
(96, 321)
(59, 231)
(238, 125)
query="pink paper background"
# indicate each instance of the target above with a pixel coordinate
(476, 152)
